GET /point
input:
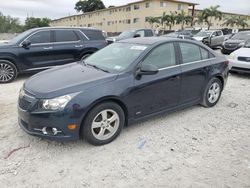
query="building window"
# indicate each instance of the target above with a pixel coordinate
(147, 5)
(128, 9)
(180, 6)
(136, 7)
(128, 21)
(163, 4)
(136, 20)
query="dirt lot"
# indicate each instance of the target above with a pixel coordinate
(196, 147)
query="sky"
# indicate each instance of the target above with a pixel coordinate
(60, 8)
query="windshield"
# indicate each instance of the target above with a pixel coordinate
(126, 34)
(241, 36)
(247, 45)
(19, 37)
(203, 34)
(115, 57)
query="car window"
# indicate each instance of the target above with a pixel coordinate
(148, 33)
(162, 56)
(65, 36)
(40, 37)
(204, 53)
(190, 52)
(94, 34)
(141, 33)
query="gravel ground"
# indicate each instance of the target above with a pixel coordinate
(195, 147)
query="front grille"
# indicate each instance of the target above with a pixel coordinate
(231, 45)
(246, 59)
(24, 104)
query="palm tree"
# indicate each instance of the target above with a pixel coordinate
(210, 13)
(199, 19)
(164, 20)
(230, 21)
(183, 19)
(171, 19)
(242, 21)
(151, 20)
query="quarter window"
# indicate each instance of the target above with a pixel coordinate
(190, 52)
(162, 56)
(204, 53)
(40, 37)
(65, 36)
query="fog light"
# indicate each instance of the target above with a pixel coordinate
(55, 131)
(50, 131)
(72, 127)
(44, 130)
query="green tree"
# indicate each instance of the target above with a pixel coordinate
(152, 20)
(9, 24)
(210, 13)
(230, 21)
(199, 19)
(182, 18)
(89, 5)
(32, 22)
(171, 20)
(242, 22)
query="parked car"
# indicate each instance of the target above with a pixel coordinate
(239, 60)
(122, 83)
(42, 48)
(235, 42)
(185, 33)
(178, 35)
(131, 34)
(212, 38)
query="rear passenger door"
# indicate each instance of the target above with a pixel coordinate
(67, 46)
(194, 68)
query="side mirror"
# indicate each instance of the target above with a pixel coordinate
(147, 70)
(26, 43)
(137, 35)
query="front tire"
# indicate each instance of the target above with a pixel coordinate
(103, 123)
(212, 93)
(8, 71)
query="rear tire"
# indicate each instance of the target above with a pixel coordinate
(8, 71)
(212, 93)
(103, 123)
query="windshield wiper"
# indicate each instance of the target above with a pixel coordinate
(96, 67)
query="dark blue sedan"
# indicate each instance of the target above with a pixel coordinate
(120, 84)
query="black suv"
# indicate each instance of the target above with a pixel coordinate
(42, 48)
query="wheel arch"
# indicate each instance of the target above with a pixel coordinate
(114, 99)
(11, 60)
(88, 51)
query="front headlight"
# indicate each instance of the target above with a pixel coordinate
(58, 103)
(232, 56)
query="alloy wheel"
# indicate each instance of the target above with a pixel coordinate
(105, 124)
(7, 72)
(214, 93)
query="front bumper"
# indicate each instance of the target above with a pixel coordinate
(239, 66)
(33, 122)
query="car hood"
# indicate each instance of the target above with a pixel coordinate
(232, 41)
(71, 78)
(243, 52)
(116, 38)
(5, 45)
(199, 38)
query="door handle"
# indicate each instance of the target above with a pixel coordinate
(48, 48)
(78, 46)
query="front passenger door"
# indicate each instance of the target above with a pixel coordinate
(39, 54)
(153, 93)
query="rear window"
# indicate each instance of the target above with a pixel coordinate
(94, 34)
(148, 33)
(65, 36)
(190, 52)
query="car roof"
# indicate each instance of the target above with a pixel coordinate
(153, 40)
(83, 28)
